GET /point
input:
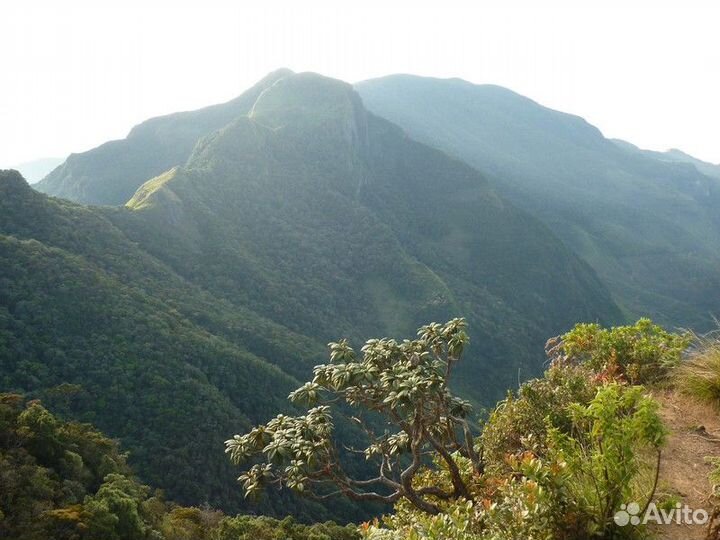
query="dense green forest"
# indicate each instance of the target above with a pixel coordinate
(647, 222)
(103, 332)
(67, 481)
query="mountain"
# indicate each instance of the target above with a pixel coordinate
(331, 222)
(709, 169)
(675, 156)
(648, 226)
(35, 170)
(110, 173)
(190, 312)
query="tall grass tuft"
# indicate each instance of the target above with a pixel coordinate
(699, 375)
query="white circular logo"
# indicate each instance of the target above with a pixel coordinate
(621, 517)
(627, 514)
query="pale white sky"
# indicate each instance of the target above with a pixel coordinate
(78, 73)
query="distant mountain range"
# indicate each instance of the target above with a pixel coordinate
(235, 242)
(674, 156)
(647, 222)
(37, 169)
(110, 173)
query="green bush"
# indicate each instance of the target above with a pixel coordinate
(609, 447)
(562, 453)
(529, 503)
(638, 354)
(520, 422)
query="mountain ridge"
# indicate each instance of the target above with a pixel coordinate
(674, 155)
(110, 173)
(622, 212)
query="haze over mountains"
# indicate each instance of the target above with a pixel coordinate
(242, 238)
(37, 169)
(647, 222)
(110, 173)
(674, 156)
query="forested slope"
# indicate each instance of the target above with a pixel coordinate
(332, 222)
(646, 222)
(108, 334)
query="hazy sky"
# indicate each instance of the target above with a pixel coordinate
(76, 73)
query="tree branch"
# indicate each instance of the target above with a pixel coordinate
(461, 489)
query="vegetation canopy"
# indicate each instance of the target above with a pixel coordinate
(554, 460)
(67, 481)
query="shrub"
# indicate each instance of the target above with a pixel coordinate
(520, 422)
(607, 451)
(265, 528)
(459, 521)
(530, 503)
(638, 354)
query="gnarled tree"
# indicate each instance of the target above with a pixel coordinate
(406, 385)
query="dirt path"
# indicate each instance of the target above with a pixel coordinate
(694, 434)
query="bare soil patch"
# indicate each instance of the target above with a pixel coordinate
(694, 434)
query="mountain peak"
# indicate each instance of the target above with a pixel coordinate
(11, 181)
(318, 113)
(307, 94)
(275, 75)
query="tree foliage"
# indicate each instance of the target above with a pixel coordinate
(404, 383)
(613, 439)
